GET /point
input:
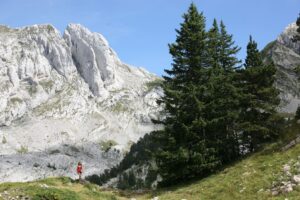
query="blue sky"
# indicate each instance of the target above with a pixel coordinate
(139, 30)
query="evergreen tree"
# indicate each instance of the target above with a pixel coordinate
(201, 101)
(213, 46)
(185, 152)
(222, 108)
(297, 37)
(228, 59)
(260, 99)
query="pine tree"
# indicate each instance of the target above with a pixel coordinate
(213, 46)
(253, 58)
(223, 102)
(260, 99)
(186, 152)
(228, 59)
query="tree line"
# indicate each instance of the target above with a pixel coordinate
(216, 109)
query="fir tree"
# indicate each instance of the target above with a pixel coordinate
(228, 52)
(223, 102)
(185, 152)
(201, 101)
(213, 46)
(260, 99)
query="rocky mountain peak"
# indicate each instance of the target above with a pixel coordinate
(68, 98)
(94, 59)
(286, 38)
(284, 52)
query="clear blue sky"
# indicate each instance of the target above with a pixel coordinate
(139, 30)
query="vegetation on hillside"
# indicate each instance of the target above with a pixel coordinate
(216, 112)
(251, 178)
(55, 189)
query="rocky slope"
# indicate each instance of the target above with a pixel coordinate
(65, 99)
(285, 53)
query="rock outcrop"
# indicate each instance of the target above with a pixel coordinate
(65, 99)
(285, 53)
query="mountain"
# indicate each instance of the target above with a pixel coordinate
(285, 53)
(65, 99)
(69, 98)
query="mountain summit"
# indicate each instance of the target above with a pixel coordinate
(68, 99)
(285, 53)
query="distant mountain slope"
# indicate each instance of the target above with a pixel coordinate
(65, 99)
(286, 56)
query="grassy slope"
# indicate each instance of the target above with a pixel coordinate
(56, 189)
(250, 178)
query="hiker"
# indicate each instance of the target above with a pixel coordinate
(79, 170)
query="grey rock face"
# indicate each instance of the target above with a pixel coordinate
(285, 53)
(68, 99)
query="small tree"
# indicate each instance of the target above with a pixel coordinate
(298, 113)
(297, 36)
(260, 99)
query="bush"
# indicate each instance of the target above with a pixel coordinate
(107, 145)
(4, 141)
(23, 149)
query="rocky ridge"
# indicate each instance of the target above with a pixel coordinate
(285, 53)
(65, 99)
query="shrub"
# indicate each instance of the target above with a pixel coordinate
(106, 145)
(23, 149)
(298, 113)
(4, 141)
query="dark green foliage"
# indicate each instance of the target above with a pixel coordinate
(228, 51)
(212, 108)
(297, 71)
(127, 180)
(201, 102)
(297, 116)
(184, 153)
(140, 153)
(253, 55)
(260, 99)
(38, 193)
(297, 36)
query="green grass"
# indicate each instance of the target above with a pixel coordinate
(57, 189)
(251, 178)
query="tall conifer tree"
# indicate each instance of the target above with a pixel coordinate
(185, 153)
(260, 99)
(223, 102)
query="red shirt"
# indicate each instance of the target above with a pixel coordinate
(79, 169)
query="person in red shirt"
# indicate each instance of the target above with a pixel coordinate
(79, 170)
